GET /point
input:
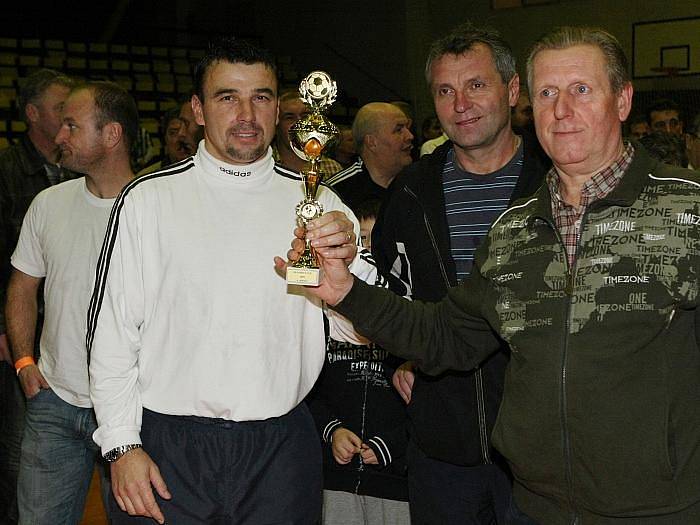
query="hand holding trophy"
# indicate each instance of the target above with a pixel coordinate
(309, 137)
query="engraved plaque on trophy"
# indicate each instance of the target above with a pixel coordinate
(309, 138)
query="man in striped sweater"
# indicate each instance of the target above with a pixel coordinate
(424, 241)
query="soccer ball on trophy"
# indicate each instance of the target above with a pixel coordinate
(318, 90)
(319, 85)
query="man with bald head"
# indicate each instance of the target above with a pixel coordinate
(383, 140)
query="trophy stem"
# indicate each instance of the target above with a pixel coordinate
(311, 179)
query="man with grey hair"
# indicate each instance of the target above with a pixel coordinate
(593, 284)
(383, 139)
(26, 168)
(424, 240)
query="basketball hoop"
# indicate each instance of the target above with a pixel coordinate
(671, 71)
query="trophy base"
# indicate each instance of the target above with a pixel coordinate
(303, 276)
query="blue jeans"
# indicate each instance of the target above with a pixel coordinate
(57, 461)
(11, 428)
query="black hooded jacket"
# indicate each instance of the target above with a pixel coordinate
(451, 415)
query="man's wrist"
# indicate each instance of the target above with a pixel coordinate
(113, 455)
(23, 362)
(342, 290)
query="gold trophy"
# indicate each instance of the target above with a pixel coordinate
(309, 137)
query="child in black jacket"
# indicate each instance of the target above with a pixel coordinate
(362, 423)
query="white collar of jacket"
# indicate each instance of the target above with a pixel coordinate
(255, 173)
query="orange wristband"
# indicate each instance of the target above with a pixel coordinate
(22, 362)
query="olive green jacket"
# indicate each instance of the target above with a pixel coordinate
(601, 409)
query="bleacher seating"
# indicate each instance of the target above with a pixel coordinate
(158, 77)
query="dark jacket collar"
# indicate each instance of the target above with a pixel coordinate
(30, 159)
(425, 176)
(423, 179)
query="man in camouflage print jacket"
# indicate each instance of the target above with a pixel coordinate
(601, 409)
(593, 282)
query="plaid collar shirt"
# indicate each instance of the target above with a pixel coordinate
(567, 217)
